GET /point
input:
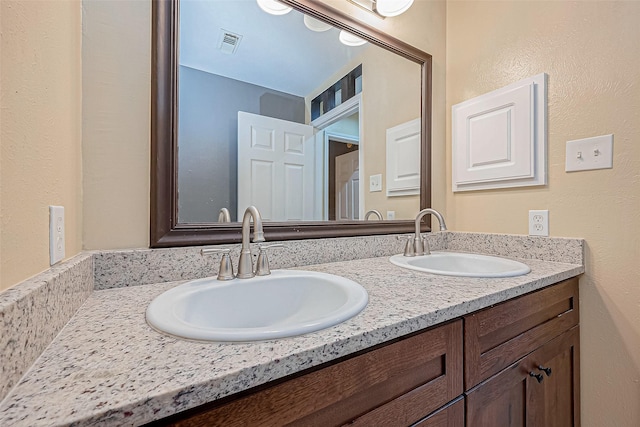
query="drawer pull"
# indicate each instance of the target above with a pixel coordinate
(539, 377)
(545, 370)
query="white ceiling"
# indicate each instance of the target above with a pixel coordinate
(277, 52)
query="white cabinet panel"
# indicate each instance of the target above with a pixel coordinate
(499, 139)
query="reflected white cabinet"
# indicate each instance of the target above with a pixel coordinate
(403, 159)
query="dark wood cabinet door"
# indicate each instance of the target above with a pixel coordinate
(514, 397)
(499, 336)
(499, 401)
(555, 400)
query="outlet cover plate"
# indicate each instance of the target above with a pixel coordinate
(539, 223)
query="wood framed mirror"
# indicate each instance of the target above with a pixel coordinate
(166, 229)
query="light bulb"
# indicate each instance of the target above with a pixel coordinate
(315, 25)
(274, 7)
(392, 7)
(350, 39)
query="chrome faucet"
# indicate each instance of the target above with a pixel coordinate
(373, 212)
(245, 264)
(224, 215)
(420, 245)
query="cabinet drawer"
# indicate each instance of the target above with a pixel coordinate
(498, 336)
(515, 397)
(401, 383)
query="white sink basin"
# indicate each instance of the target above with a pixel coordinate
(462, 264)
(284, 304)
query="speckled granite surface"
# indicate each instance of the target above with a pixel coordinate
(108, 368)
(145, 266)
(33, 312)
(115, 269)
(555, 249)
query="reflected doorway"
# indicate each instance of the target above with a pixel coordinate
(344, 179)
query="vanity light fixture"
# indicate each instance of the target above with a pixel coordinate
(384, 8)
(350, 39)
(274, 7)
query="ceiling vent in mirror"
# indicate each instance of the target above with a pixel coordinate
(228, 41)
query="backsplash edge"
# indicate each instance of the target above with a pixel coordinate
(122, 268)
(553, 249)
(34, 311)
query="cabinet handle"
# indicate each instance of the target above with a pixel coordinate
(545, 370)
(539, 377)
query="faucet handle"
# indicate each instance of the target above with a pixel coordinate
(225, 272)
(262, 265)
(409, 247)
(425, 245)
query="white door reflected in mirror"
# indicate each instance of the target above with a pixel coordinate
(276, 168)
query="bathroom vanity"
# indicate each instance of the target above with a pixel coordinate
(428, 349)
(516, 363)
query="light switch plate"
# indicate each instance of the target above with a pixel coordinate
(589, 153)
(375, 183)
(56, 234)
(391, 214)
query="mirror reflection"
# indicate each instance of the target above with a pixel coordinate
(276, 111)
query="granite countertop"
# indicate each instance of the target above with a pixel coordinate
(107, 367)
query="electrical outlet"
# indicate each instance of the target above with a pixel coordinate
(391, 214)
(56, 234)
(539, 223)
(375, 183)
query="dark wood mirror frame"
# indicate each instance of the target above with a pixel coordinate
(165, 229)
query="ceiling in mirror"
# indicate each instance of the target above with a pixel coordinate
(250, 85)
(238, 40)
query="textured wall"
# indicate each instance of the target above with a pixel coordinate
(116, 108)
(590, 51)
(40, 165)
